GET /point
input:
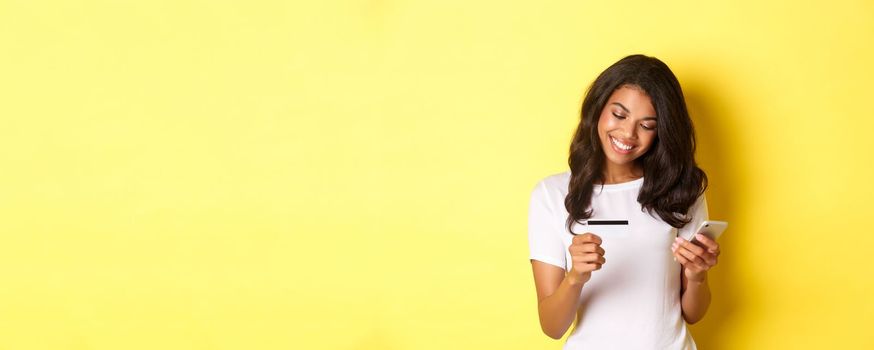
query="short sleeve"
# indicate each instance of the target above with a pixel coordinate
(699, 214)
(544, 229)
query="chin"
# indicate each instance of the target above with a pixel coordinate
(621, 160)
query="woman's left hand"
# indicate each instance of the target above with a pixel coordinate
(697, 257)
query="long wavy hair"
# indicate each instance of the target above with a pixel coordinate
(672, 180)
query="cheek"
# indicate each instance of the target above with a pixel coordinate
(606, 122)
(602, 127)
(605, 125)
(648, 141)
(602, 124)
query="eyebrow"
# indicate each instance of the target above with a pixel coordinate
(628, 111)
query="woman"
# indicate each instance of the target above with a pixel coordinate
(609, 239)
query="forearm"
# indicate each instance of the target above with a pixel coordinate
(557, 311)
(695, 300)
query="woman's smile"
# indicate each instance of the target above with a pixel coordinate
(621, 147)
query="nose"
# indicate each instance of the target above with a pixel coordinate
(628, 129)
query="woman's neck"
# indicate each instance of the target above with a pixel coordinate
(615, 174)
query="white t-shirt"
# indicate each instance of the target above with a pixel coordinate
(633, 301)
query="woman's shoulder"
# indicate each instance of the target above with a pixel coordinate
(557, 181)
(553, 187)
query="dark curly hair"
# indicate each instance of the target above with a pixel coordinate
(672, 180)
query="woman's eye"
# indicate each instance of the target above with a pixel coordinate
(620, 117)
(648, 127)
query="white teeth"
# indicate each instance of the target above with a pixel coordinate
(620, 144)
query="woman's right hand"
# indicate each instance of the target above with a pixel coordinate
(587, 256)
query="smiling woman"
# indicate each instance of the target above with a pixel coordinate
(619, 125)
(635, 191)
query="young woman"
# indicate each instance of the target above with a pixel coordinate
(609, 239)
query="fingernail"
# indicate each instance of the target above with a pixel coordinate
(699, 236)
(675, 258)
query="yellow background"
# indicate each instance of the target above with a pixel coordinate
(356, 174)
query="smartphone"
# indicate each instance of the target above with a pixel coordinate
(711, 228)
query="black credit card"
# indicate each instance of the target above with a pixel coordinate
(606, 222)
(604, 225)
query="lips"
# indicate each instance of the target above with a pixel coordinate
(620, 146)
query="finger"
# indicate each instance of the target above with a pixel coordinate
(681, 259)
(707, 242)
(689, 255)
(587, 267)
(591, 237)
(689, 264)
(709, 259)
(576, 250)
(578, 239)
(580, 250)
(690, 246)
(592, 258)
(592, 248)
(584, 258)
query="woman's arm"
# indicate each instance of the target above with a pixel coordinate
(558, 294)
(695, 299)
(696, 260)
(557, 298)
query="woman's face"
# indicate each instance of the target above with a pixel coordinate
(627, 125)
